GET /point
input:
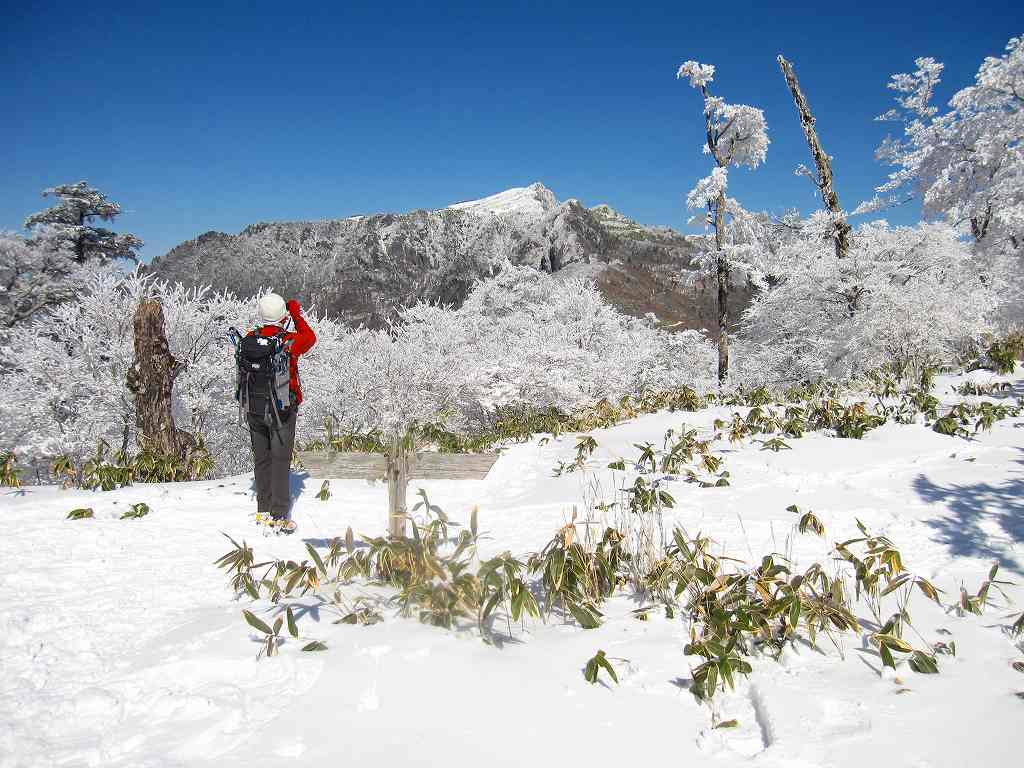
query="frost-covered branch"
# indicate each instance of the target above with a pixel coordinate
(965, 165)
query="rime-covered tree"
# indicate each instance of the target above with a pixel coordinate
(32, 279)
(72, 224)
(522, 337)
(546, 342)
(40, 272)
(901, 297)
(736, 135)
(966, 165)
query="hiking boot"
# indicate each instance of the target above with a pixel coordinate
(281, 525)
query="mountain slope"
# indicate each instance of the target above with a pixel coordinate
(365, 267)
(528, 202)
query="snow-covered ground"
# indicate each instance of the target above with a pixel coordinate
(121, 645)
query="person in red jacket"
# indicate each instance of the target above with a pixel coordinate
(272, 449)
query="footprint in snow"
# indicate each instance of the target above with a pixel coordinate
(416, 655)
(94, 707)
(293, 750)
(376, 651)
(369, 701)
(843, 718)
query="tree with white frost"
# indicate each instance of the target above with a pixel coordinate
(71, 224)
(44, 270)
(67, 384)
(736, 135)
(32, 279)
(903, 297)
(523, 337)
(548, 342)
(966, 166)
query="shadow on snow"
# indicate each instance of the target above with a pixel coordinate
(976, 510)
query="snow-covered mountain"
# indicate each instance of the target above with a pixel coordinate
(364, 267)
(533, 201)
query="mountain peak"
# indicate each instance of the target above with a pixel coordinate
(613, 219)
(534, 200)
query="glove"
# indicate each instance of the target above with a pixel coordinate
(293, 307)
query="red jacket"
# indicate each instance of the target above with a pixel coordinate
(302, 339)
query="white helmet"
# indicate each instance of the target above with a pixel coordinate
(272, 308)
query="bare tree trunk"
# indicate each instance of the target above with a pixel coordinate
(151, 380)
(821, 160)
(722, 266)
(979, 225)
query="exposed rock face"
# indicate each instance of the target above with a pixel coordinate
(365, 267)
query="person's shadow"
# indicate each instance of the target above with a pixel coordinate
(296, 485)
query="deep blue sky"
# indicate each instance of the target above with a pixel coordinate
(196, 118)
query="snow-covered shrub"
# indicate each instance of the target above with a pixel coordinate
(905, 298)
(65, 371)
(33, 278)
(380, 381)
(66, 378)
(522, 338)
(1003, 354)
(544, 342)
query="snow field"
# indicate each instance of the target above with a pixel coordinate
(121, 645)
(532, 201)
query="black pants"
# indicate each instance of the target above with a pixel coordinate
(272, 452)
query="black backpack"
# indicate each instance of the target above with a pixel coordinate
(263, 386)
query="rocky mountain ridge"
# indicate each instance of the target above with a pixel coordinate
(364, 268)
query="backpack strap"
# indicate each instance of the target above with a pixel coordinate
(273, 416)
(241, 379)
